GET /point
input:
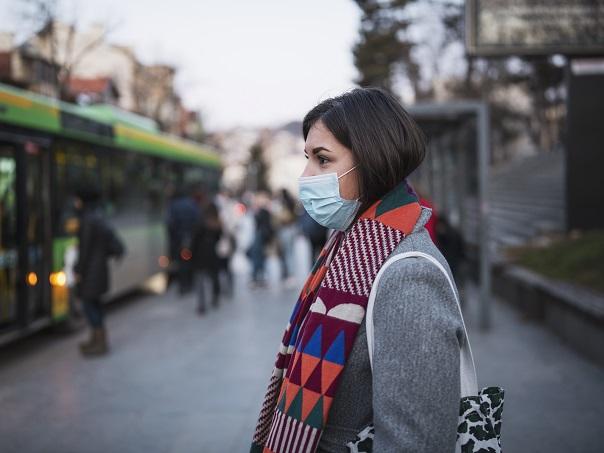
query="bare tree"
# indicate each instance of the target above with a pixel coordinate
(44, 16)
(388, 46)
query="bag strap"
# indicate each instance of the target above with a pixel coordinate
(468, 379)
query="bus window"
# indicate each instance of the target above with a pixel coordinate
(128, 180)
(73, 166)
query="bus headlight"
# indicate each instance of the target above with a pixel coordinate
(58, 279)
(32, 279)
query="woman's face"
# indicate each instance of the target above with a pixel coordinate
(326, 155)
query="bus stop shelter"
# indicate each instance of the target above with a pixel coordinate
(455, 175)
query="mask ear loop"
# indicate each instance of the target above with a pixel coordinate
(345, 173)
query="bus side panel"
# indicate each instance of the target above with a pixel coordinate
(144, 245)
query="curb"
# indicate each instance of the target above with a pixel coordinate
(573, 313)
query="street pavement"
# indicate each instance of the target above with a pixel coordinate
(178, 382)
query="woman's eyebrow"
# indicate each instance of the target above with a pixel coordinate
(317, 149)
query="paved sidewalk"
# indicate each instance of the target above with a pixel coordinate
(553, 400)
(176, 382)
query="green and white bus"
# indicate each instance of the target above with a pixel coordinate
(47, 147)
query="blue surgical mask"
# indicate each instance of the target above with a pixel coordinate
(321, 198)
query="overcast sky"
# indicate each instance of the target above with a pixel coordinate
(242, 62)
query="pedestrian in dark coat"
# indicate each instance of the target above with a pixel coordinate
(314, 232)
(451, 244)
(263, 235)
(182, 216)
(97, 243)
(205, 258)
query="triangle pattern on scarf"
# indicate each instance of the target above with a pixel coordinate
(283, 387)
(335, 353)
(281, 404)
(331, 391)
(309, 400)
(296, 373)
(295, 408)
(329, 372)
(315, 418)
(401, 218)
(291, 392)
(396, 198)
(314, 381)
(313, 347)
(309, 363)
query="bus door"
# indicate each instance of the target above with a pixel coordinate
(24, 240)
(9, 249)
(36, 232)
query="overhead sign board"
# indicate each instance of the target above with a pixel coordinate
(534, 27)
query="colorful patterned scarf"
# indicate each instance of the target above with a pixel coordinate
(324, 325)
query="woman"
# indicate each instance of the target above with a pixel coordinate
(263, 235)
(361, 147)
(205, 237)
(97, 242)
(286, 234)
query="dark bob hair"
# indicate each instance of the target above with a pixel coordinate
(386, 143)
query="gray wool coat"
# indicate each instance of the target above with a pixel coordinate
(413, 395)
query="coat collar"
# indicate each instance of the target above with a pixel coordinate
(424, 217)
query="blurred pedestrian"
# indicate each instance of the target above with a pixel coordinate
(285, 217)
(227, 244)
(205, 259)
(451, 244)
(314, 232)
(263, 235)
(182, 217)
(405, 396)
(97, 242)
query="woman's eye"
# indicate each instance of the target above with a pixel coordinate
(306, 156)
(322, 160)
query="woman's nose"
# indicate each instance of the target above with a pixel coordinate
(307, 171)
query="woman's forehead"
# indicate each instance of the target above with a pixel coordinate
(319, 135)
(318, 131)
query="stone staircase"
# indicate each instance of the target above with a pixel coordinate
(526, 200)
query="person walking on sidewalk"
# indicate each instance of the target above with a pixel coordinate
(263, 235)
(323, 393)
(227, 244)
(314, 232)
(97, 242)
(183, 213)
(205, 259)
(285, 216)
